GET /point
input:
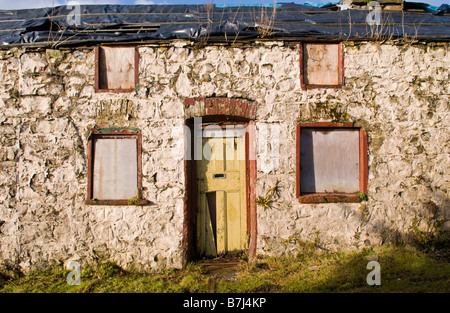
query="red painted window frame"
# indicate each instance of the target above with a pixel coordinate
(303, 83)
(329, 196)
(95, 134)
(97, 69)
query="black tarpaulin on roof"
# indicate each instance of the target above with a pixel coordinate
(122, 23)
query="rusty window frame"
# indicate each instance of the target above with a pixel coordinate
(119, 134)
(324, 197)
(97, 86)
(303, 83)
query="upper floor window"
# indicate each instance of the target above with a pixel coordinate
(322, 65)
(117, 69)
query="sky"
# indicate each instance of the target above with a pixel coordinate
(27, 4)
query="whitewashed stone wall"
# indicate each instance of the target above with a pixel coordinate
(398, 93)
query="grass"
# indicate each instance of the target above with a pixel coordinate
(403, 269)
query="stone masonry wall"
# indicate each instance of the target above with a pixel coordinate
(399, 94)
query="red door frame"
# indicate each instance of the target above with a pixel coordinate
(191, 189)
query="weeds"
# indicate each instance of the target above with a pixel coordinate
(386, 30)
(135, 199)
(273, 193)
(432, 236)
(264, 20)
(274, 190)
(428, 233)
(403, 269)
(264, 201)
(109, 269)
(207, 8)
(362, 196)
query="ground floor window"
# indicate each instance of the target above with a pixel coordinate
(114, 173)
(331, 163)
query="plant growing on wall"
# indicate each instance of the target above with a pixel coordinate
(362, 195)
(433, 236)
(264, 201)
(272, 194)
(135, 199)
(207, 9)
(264, 20)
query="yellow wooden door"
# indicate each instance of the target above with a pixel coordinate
(222, 214)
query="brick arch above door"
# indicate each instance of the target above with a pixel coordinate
(219, 106)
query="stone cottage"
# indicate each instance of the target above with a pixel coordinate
(151, 136)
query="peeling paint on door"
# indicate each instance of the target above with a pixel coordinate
(221, 172)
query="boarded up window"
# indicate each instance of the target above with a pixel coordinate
(331, 162)
(115, 168)
(117, 69)
(322, 65)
